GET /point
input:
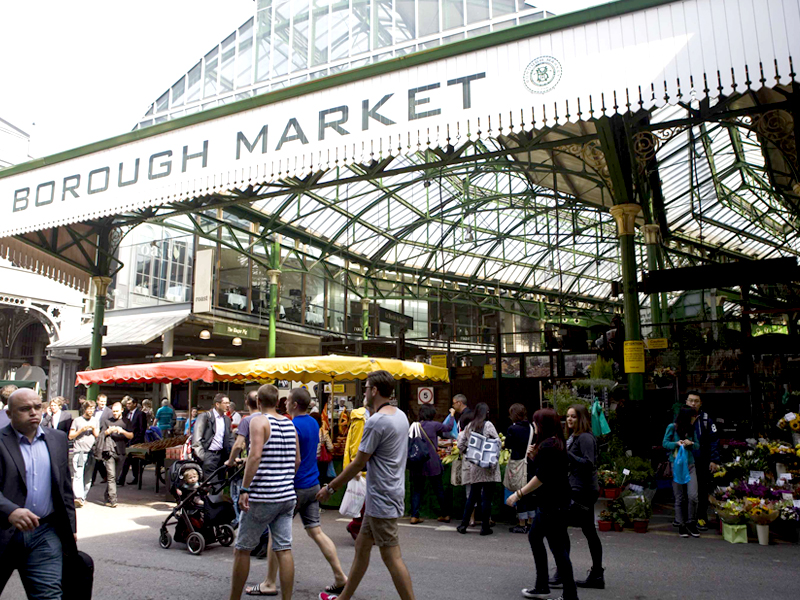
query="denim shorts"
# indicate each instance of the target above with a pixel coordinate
(275, 515)
(308, 506)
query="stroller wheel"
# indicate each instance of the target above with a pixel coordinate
(225, 535)
(165, 539)
(195, 543)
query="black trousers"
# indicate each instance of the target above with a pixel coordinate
(213, 461)
(482, 492)
(552, 526)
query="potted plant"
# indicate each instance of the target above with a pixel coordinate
(604, 523)
(619, 514)
(639, 512)
(611, 483)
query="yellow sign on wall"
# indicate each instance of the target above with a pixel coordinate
(488, 371)
(657, 344)
(338, 388)
(634, 357)
(439, 360)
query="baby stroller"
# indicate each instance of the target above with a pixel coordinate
(198, 524)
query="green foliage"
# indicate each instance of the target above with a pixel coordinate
(562, 397)
(640, 510)
(602, 369)
(641, 471)
(619, 514)
(597, 384)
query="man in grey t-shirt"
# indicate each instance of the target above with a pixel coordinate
(384, 446)
(83, 433)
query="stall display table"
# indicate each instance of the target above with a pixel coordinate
(143, 457)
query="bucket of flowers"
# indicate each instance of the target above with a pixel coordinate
(791, 422)
(790, 515)
(732, 514)
(761, 512)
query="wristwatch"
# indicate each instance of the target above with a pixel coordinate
(244, 490)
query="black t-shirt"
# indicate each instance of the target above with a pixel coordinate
(550, 466)
(120, 440)
(517, 438)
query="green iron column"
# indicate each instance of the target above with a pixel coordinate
(652, 234)
(96, 352)
(625, 216)
(365, 302)
(274, 276)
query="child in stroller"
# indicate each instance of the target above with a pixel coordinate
(199, 520)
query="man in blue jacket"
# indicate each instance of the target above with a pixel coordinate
(707, 459)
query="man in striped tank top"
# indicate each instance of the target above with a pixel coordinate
(384, 445)
(267, 497)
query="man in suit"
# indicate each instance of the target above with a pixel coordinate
(102, 415)
(212, 439)
(37, 506)
(138, 422)
(58, 418)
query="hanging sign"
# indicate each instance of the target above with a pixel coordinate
(425, 395)
(231, 330)
(634, 357)
(488, 371)
(439, 360)
(657, 343)
(203, 276)
(338, 388)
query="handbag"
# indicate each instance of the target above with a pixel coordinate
(455, 472)
(324, 454)
(418, 449)
(483, 451)
(517, 471)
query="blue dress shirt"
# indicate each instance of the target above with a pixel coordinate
(37, 473)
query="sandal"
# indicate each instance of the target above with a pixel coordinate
(335, 589)
(255, 590)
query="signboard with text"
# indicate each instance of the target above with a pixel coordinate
(241, 331)
(634, 357)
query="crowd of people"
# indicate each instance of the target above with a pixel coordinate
(551, 476)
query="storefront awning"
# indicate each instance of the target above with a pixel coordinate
(166, 372)
(126, 329)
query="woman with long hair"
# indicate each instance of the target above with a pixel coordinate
(431, 471)
(550, 478)
(682, 433)
(582, 460)
(518, 438)
(482, 479)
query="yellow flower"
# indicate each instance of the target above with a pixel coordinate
(795, 425)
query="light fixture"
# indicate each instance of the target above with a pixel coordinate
(237, 341)
(205, 334)
(157, 355)
(211, 355)
(103, 351)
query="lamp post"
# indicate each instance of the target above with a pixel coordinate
(96, 352)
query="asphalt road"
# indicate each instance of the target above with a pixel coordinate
(444, 565)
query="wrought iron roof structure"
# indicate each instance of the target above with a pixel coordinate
(515, 216)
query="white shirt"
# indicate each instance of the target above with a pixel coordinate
(219, 432)
(56, 417)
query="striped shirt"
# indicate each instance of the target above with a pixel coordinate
(274, 479)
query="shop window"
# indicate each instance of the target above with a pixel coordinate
(164, 269)
(537, 366)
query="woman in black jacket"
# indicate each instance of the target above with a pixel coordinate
(550, 478)
(518, 438)
(582, 456)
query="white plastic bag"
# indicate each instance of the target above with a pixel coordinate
(353, 498)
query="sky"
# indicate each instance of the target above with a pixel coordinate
(78, 72)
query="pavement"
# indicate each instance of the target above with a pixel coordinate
(130, 564)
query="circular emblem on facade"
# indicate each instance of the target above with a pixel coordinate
(542, 74)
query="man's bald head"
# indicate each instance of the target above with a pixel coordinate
(25, 411)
